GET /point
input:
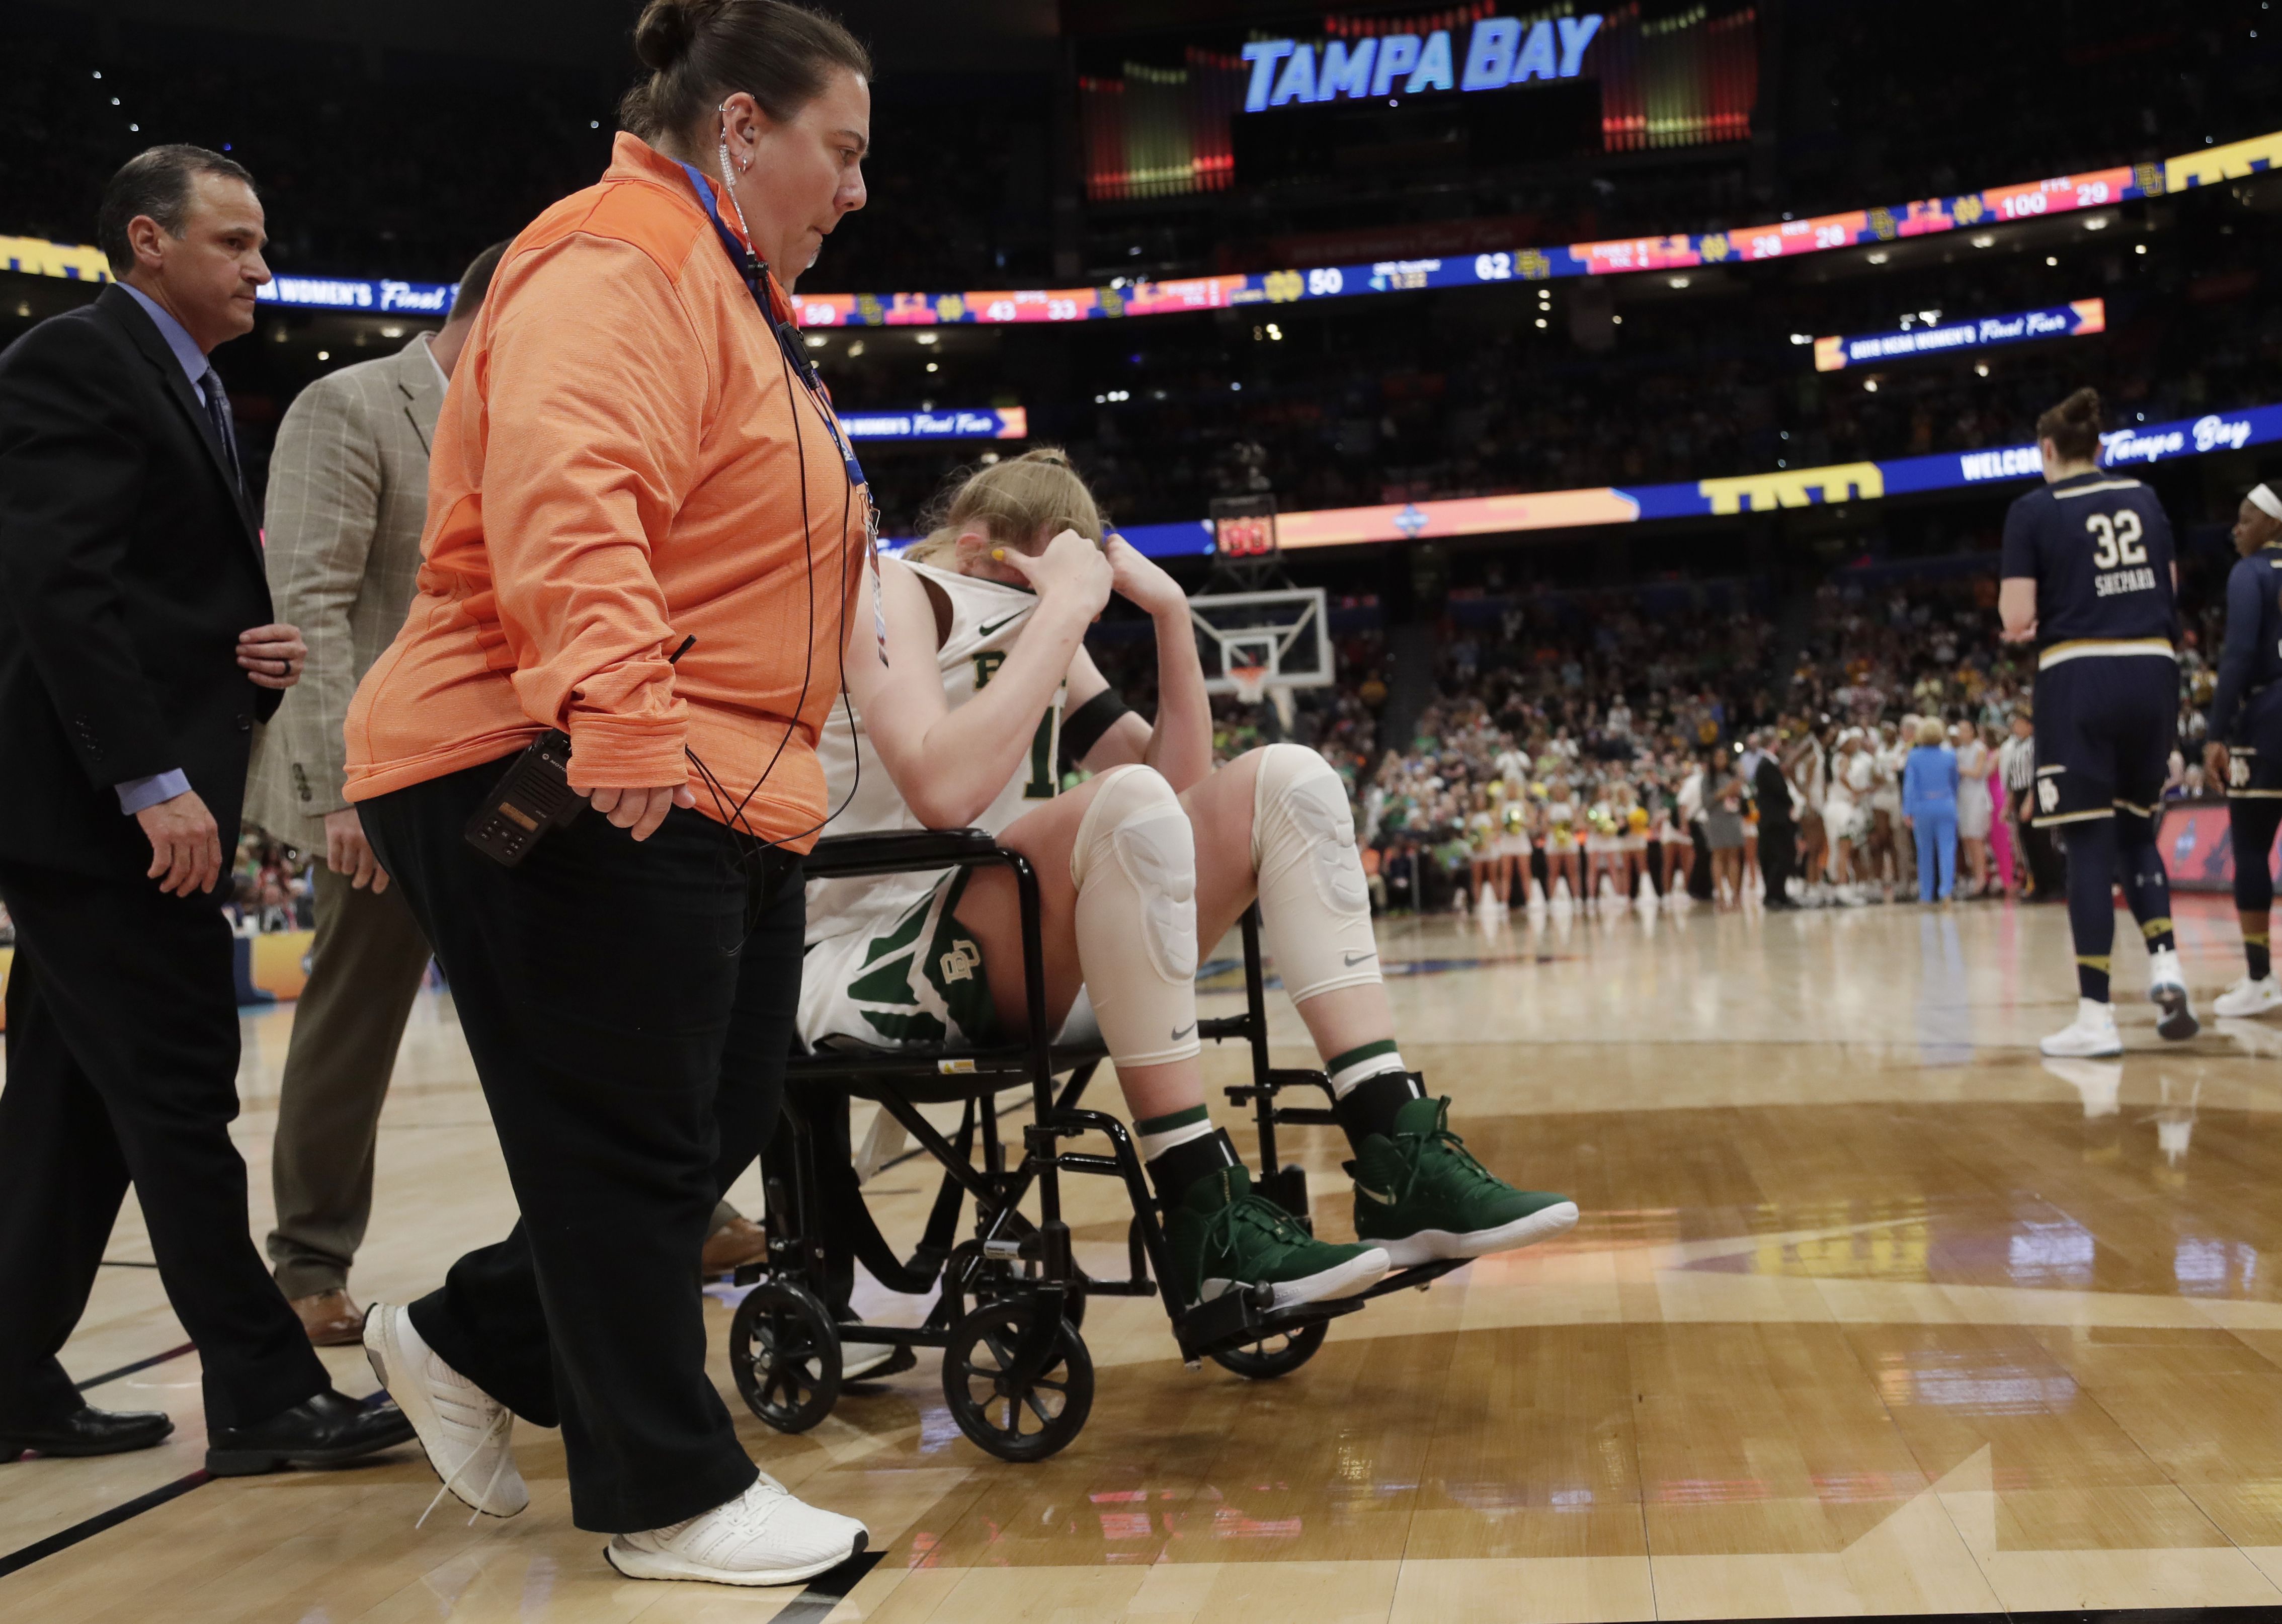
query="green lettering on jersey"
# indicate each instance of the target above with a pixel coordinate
(987, 662)
(1042, 785)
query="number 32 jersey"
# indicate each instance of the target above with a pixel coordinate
(2099, 550)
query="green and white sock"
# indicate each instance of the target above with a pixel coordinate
(1364, 1060)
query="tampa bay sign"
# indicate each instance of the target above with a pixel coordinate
(1500, 51)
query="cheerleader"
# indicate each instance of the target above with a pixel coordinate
(1632, 841)
(1561, 841)
(1601, 844)
(1481, 856)
(1513, 842)
(1667, 837)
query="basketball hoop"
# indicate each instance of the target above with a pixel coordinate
(1250, 682)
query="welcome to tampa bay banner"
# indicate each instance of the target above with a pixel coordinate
(1776, 240)
(1798, 488)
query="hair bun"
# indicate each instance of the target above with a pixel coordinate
(667, 30)
(1054, 455)
(2082, 406)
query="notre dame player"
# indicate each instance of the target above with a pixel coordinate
(2245, 752)
(2090, 576)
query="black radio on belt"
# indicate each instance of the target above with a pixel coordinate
(534, 798)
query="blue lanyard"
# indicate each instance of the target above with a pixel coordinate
(754, 274)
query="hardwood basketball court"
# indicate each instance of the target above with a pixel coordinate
(1871, 1310)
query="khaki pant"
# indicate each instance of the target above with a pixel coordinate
(365, 969)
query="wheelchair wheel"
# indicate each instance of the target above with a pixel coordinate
(1018, 1379)
(785, 1356)
(1278, 1355)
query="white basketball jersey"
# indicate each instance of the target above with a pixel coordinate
(986, 617)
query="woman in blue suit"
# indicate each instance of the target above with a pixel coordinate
(1929, 807)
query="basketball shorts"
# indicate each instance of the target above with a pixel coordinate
(2104, 728)
(2253, 767)
(911, 976)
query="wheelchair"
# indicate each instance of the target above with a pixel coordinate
(1011, 1300)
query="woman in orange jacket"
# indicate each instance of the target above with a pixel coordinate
(633, 462)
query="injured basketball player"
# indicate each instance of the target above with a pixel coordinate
(985, 680)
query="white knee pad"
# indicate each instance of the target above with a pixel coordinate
(1135, 867)
(1314, 909)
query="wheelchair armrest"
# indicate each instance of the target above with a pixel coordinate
(839, 856)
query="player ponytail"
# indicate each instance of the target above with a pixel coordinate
(2073, 427)
(1017, 502)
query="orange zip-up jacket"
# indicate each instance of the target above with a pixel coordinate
(619, 466)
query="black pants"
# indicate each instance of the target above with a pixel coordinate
(1778, 855)
(631, 1040)
(122, 1068)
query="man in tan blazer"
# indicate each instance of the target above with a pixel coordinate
(348, 497)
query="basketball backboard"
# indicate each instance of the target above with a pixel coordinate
(1287, 631)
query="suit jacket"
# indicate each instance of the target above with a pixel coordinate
(1771, 788)
(348, 496)
(130, 560)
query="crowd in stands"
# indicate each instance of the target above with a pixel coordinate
(1583, 750)
(269, 884)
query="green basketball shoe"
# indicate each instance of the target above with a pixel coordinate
(1421, 1195)
(1225, 1239)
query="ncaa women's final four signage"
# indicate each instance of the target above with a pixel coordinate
(1500, 51)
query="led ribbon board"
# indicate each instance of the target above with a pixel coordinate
(992, 423)
(2078, 319)
(1786, 239)
(1798, 487)
(363, 297)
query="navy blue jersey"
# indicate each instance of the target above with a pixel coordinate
(2252, 659)
(2099, 550)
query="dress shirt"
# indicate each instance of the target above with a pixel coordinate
(137, 793)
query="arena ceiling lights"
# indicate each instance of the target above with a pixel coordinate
(1780, 240)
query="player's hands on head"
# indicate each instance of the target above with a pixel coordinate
(1141, 582)
(640, 809)
(1071, 570)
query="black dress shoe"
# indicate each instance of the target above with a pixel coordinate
(323, 1431)
(87, 1430)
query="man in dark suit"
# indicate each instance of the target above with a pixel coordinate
(1778, 832)
(130, 571)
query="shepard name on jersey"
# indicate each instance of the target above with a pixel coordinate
(2099, 550)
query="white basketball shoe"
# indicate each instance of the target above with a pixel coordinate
(765, 1536)
(464, 1429)
(2166, 990)
(2089, 1037)
(2250, 996)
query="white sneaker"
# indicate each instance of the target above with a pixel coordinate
(2090, 1036)
(2250, 996)
(2166, 990)
(465, 1431)
(764, 1537)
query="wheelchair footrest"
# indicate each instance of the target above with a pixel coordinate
(1416, 1278)
(1234, 1320)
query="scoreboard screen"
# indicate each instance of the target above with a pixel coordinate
(1244, 527)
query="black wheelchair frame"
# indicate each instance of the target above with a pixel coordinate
(1015, 1370)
